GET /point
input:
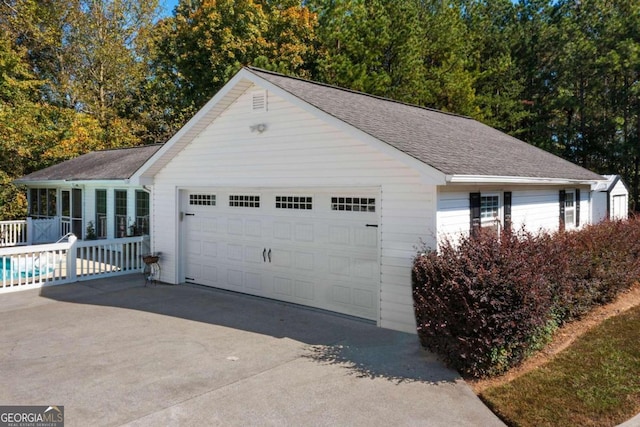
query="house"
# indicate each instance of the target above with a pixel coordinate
(610, 199)
(90, 194)
(315, 195)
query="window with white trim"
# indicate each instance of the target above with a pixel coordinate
(570, 208)
(489, 207)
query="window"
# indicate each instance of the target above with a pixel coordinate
(101, 214)
(120, 213)
(142, 213)
(355, 204)
(244, 201)
(490, 210)
(42, 202)
(202, 199)
(569, 208)
(294, 202)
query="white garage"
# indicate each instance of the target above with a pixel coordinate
(317, 247)
(302, 192)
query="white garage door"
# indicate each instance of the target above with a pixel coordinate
(316, 248)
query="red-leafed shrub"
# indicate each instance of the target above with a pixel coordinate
(486, 302)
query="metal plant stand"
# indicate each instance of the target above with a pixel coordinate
(151, 269)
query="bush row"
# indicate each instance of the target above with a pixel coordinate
(486, 302)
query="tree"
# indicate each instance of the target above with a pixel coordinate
(195, 52)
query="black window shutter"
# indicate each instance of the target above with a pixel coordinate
(562, 201)
(577, 207)
(507, 210)
(474, 207)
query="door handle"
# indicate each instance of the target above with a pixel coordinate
(264, 255)
(269, 254)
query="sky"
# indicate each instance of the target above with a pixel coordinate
(168, 6)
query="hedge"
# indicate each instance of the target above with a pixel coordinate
(487, 302)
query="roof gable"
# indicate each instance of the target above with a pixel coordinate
(452, 144)
(455, 146)
(118, 164)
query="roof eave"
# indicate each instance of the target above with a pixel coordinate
(69, 182)
(486, 179)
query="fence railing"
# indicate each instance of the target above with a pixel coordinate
(27, 267)
(13, 233)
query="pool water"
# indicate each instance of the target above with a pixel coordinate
(24, 269)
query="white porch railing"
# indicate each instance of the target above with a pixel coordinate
(31, 231)
(13, 233)
(28, 267)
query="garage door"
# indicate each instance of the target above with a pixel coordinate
(316, 248)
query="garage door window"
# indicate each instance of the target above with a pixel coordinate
(294, 202)
(355, 204)
(202, 199)
(244, 201)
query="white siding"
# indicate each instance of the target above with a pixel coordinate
(533, 207)
(619, 201)
(599, 206)
(297, 149)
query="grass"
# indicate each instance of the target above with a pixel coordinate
(594, 382)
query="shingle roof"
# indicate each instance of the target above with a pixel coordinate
(98, 165)
(452, 144)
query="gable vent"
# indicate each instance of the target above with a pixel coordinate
(259, 101)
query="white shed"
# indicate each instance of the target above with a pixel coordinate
(315, 195)
(611, 199)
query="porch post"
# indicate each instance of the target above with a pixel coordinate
(29, 231)
(72, 275)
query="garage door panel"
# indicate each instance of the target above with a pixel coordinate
(320, 258)
(254, 254)
(305, 261)
(209, 249)
(341, 294)
(364, 298)
(281, 258)
(304, 290)
(235, 278)
(253, 281)
(234, 226)
(283, 286)
(304, 233)
(210, 274)
(340, 235)
(365, 237)
(364, 269)
(194, 269)
(253, 228)
(209, 225)
(282, 230)
(339, 265)
(235, 252)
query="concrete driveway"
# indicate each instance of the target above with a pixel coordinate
(114, 352)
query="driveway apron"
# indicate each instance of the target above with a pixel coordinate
(115, 352)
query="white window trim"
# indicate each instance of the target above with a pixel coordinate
(570, 224)
(485, 222)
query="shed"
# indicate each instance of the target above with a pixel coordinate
(611, 199)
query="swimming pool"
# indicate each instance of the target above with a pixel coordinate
(22, 268)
